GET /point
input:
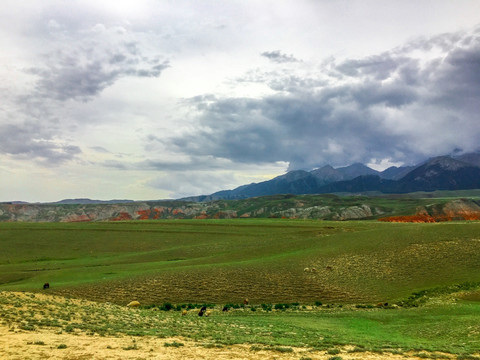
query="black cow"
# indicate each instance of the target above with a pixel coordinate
(46, 286)
(202, 311)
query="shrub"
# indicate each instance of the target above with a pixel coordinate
(28, 327)
(68, 328)
(173, 344)
(318, 303)
(166, 306)
(282, 306)
(364, 306)
(131, 347)
(333, 351)
(233, 306)
(357, 349)
(62, 346)
(213, 346)
(266, 307)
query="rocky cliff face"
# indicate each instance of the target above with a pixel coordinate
(97, 212)
(459, 209)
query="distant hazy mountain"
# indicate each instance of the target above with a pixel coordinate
(328, 174)
(396, 173)
(89, 201)
(455, 172)
(293, 182)
(355, 170)
(360, 184)
(440, 173)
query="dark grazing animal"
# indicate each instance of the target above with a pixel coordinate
(225, 309)
(46, 286)
(202, 311)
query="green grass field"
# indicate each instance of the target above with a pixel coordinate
(227, 260)
(358, 264)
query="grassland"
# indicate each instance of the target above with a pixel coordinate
(429, 274)
(438, 330)
(229, 260)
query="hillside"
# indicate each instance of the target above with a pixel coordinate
(326, 207)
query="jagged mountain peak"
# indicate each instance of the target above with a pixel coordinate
(438, 173)
(327, 174)
(293, 175)
(356, 169)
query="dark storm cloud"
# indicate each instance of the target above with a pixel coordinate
(457, 85)
(297, 129)
(397, 105)
(278, 57)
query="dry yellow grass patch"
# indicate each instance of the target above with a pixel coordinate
(45, 343)
(18, 342)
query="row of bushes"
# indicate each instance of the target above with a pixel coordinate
(415, 299)
(167, 306)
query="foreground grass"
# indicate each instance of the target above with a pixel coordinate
(442, 327)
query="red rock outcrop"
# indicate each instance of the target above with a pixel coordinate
(78, 218)
(461, 209)
(122, 217)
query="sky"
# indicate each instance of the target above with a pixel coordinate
(147, 100)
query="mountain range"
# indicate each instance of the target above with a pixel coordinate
(449, 172)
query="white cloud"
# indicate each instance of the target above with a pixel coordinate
(108, 97)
